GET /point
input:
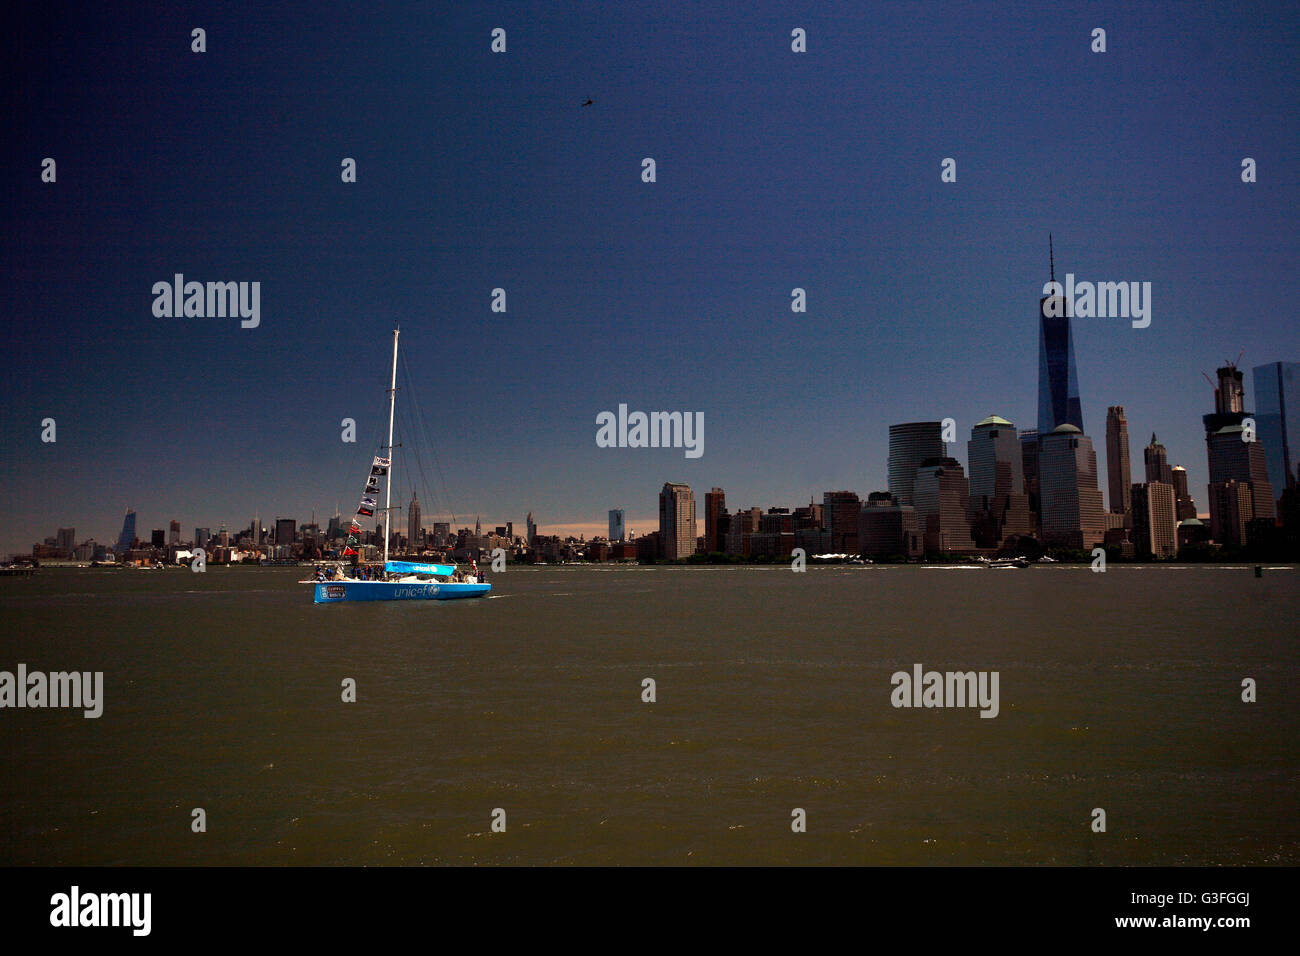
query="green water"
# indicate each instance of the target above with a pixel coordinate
(222, 691)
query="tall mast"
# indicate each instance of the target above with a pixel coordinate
(388, 485)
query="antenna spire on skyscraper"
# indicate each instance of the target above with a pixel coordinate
(1051, 256)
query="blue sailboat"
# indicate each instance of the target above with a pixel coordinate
(399, 580)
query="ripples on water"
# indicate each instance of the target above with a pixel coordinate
(1119, 690)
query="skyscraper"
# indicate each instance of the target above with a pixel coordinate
(715, 503)
(1058, 379)
(285, 530)
(942, 498)
(616, 530)
(841, 509)
(174, 532)
(998, 504)
(66, 539)
(127, 536)
(886, 528)
(1277, 419)
(1155, 527)
(1184, 506)
(1232, 461)
(1118, 472)
(1231, 511)
(1072, 516)
(532, 529)
(1029, 464)
(1157, 462)
(677, 520)
(1231, 458)
(414, 527)
(741, 527)
(1229, 399)
(909, 445)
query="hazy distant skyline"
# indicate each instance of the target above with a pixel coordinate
(478, 171)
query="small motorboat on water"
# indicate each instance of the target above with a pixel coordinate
(1001, 563)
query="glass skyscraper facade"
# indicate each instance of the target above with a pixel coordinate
(1058, 379)
(910, 444)
(1277, 421)
(128, 534)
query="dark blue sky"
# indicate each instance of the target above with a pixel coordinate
(477, 171)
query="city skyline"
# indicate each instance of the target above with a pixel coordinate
(915, 438)
(671, 295)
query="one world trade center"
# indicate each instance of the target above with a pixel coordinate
(1058, 379)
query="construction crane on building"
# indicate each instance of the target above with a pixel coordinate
(1227, 364)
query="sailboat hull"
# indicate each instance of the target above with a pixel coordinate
(332, 592)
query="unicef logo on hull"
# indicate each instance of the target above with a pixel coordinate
(415, 591)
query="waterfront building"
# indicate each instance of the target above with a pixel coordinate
(715, 506)
(910, 444)
(1232, 458)
(809, 517)
(1155, 523)
(1193, 531)
(941, 496)
(742, 526)
(677, 520)
(1072, 514)
(999, 506)
(1118, 471)
(1235, 461)
(887, 528)
(840, 509)
(1029, 466)
(1277, 418)
(1183, 503)
(285, 531)
(1157, 462)
(1231, 511)
(127, 536)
